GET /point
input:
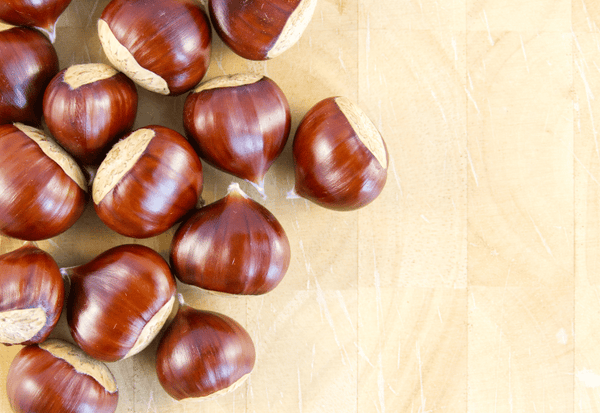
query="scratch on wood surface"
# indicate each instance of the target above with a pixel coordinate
(541, 236)
(362, 354)
(299, 392)
(455, 49)
(590, 96)
(472, 100)
(312, 362)
(439, 105)
(488, 28)
(380, 383)
(322, 301)
(425, 219)
(342, 64)
(524, 54)
(342, 302)
(472, 167)
(423, 399)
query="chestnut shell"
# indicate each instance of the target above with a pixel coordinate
(113, 297)
(35, 277)
(333, 167)
(87, 120)
(28, 63)
(239, 129)
(38, 381)
(234, 245)
(202, 353)
(38, 200)
(171, 38)
(160, 188)
(34, 13)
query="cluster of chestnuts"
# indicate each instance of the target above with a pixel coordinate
(144, 182)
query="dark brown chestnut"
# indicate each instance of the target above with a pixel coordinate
(88, 107)
(162, 45)
(31, 295)
(147, 182)
(203, 354)
(261, 29)
(234, 245)
(41, 14)
(240, 124)
(340, 157)
(28, 62)
(119, 301)
(42, 190)
(57, 377)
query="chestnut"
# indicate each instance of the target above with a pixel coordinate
(261, 29)
(340, 157)
(162, 45)
(28, 63)
(31, 295)
(88, 107)
(234, 245)
(202, 354)
(119, 301)
(41, 14)
(42, 190)
(57, 377)
(240, 124)
(147, 182)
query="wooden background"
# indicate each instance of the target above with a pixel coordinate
(472, 284)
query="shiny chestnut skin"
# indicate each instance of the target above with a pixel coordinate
(31, 295)
(41, 194)
(88, 107)
(28, 63)
(159, 183)
(202, 354)
(119, 301)
(57, 377)
(170, 40)
(41, 14)
(260, 29)
(338, 164)
(240, 124)
(234, 245)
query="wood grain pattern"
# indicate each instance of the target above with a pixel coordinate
(472, 283)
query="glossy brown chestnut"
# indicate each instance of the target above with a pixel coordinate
(239, 123)
(147, 182)
(31, 295)
(261, 29)
(42, 190)
(41, 14)
(202, 354)
(234, 245)
(88, 107)
(57, 377)
(28, 62)
(162, 45)
(340, 157)
(119, 301)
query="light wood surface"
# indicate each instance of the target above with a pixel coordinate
(472, 284)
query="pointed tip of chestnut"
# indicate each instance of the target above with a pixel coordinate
(340, 157)
(40, 14)
(234, 245)
(238, 123)
(203, 355)
(133, 33)
(261, 30)
(42, 378)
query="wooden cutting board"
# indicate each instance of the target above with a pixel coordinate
(472, 284)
